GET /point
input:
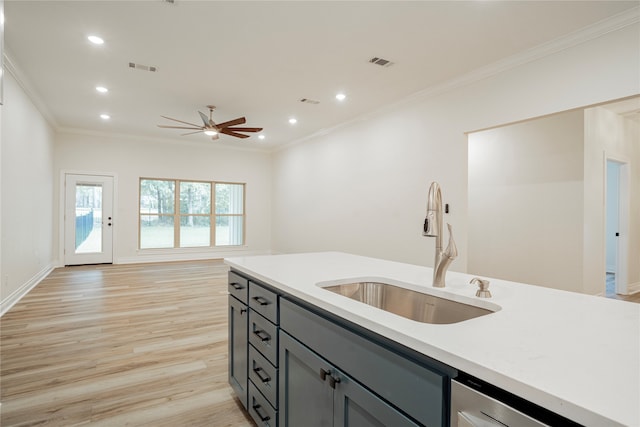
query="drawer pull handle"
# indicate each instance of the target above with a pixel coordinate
(262, 335)
(263, 418)
(323, 374)
(236, 286)
(261, 300)
(333, 381)
(263, 377)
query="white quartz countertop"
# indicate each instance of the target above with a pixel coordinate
(574, 354)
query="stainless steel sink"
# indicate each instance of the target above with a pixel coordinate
(408, 303)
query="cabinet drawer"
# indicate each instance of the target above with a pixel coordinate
(417, 390)
(238, 287)
(260, 409)
(264, 336)
(264, 376)
(264, 302)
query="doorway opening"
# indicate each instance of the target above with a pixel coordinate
(88, 219)
(616, 228)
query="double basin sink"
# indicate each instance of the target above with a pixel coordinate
(408, 303)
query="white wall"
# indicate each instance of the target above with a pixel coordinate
(526, 201)
(608, 135)
(362, 187)
(130, 158)
(27, 194)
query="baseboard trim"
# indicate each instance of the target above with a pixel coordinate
(23, 290)
(185, 256)
(633, 288)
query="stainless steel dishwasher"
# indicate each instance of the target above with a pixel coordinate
(475, 403)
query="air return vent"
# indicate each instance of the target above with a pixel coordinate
(381, 62)
(309, 101)
(143, 67)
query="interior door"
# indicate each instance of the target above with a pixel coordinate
(88, 223)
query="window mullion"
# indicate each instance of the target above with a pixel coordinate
(176, 215)
(212, 214)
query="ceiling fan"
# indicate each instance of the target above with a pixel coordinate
(212, 129)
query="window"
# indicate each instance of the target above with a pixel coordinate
(179, 214)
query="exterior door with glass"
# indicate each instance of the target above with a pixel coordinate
(88, 223)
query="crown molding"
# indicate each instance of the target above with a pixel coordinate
(20, 77)
(591, 32)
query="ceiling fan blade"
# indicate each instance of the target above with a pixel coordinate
(190, 133)
(176, 120)
(226, 131)
(238, 121)
(179, 127)
(234, 129)
(207, 123)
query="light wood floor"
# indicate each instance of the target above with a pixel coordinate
(121, 345)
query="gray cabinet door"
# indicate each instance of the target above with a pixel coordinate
(355, 406)
(238, 348)
(305, 397)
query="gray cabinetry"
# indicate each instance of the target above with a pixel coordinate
(418, 389)
(315, 393)
(263, 355)
(294, 365)
(238, 340)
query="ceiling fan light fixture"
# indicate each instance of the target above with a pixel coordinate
(261, 137)
(210, 132)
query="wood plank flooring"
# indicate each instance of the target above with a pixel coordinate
(120, 345)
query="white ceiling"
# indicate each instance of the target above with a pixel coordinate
(258, 59)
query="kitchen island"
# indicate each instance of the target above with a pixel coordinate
(576, 355)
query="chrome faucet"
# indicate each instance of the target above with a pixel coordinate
(433, 228)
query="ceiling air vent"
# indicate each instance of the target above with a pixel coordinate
(143, 67)
(381, 62)
(309, 101)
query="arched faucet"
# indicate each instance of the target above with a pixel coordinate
(433, 228)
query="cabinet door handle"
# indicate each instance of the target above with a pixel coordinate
(262, 335)
(262, 417)
(236, 286)
(263, 377)
(242, 311)
(333, 381)
(323, 374)
(262, 301)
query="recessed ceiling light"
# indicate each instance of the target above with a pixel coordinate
(210, 132)
(102, 89)
(261, 136)
(105, 116)
(341, 97)
(95, 40)
(293, 120)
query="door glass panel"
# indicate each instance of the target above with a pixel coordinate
(88, 218)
